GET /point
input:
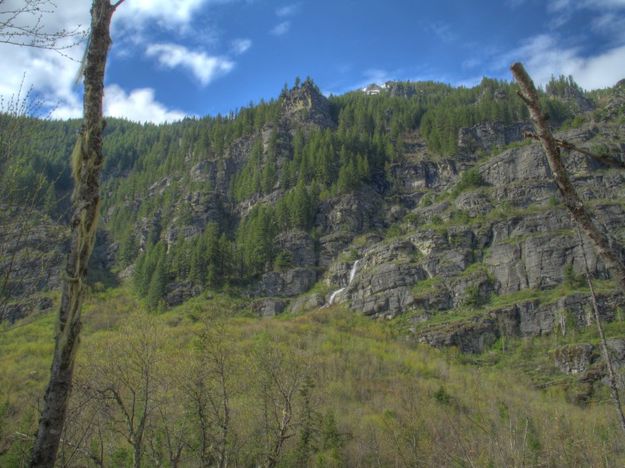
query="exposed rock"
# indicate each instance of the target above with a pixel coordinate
(385, 289)
(526, 319)
(194, 212)
(587, 360)
(471, 336)
(534, 251)
(148, 229)
(307, 302)
(177, 293)
(341, 219)
(204, 171)
(574, 359)
(305, 105)
(353, 213)
(157, 188)
(573, 96)
(269, 307)
(299, 247)
(489, 135)
(526, 163)
(14, 311)
(32, 255)
(473, 203)
(338, 274)
(244, 208)
(289, 283)
(183, 232)
(411, 177)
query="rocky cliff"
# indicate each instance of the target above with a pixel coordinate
(461, 249)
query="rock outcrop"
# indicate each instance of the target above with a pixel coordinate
(305, 106)
(490, 135)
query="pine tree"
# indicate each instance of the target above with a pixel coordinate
(158, 283)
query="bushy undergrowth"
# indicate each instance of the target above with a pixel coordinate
(326, 389)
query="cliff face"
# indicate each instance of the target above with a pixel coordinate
(476, 242)
(31, 254)
(505, 238)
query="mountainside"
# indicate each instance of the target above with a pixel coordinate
(416, 182)
(421, 207)
(429, 195)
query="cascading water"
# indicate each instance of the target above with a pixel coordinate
(352, 273)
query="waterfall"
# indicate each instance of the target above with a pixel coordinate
(333, 295)
(352, 273)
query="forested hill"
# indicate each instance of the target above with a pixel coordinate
(377, 226)
(271, 199)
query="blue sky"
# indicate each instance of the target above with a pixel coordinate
(172, 58)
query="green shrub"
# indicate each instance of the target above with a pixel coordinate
(468, 179)
(282, 261)
(393, 231)
(572, 279)
(442, 396)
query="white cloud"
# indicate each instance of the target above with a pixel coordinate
(50, 74)
(139, 105)
(610, 25)
(168, 13)
(471, 63)
(204, 67)
(376, 75)
(281, 29)
(543, 58)
(240, 46)
(563, 10)
(68, 109)
(559, 5)
(442, 30)
(287, 10)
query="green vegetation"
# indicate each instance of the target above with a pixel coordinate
(156, 176)
(202, 202)
(469, 179)
(563, 86)
(345, 379)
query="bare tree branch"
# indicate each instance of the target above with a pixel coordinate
(604, 344)
(602, 158)
(24, 25)
(609, 250)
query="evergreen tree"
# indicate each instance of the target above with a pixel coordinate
(158, 284)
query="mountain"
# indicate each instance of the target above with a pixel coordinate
(419, 205)
(281, 195)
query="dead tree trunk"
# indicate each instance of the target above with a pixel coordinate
(609, 250)
(86, 164)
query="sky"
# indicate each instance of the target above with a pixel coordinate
(176, 58)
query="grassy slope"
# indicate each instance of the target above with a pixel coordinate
(394, 403)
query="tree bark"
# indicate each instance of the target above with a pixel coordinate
(609, 250)
(86, 163)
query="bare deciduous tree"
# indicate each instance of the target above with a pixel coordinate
(23, 23)
(610, 251)
(125, 382)
(209, 391)
(281, 378)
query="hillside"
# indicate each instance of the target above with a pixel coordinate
(371, 227)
